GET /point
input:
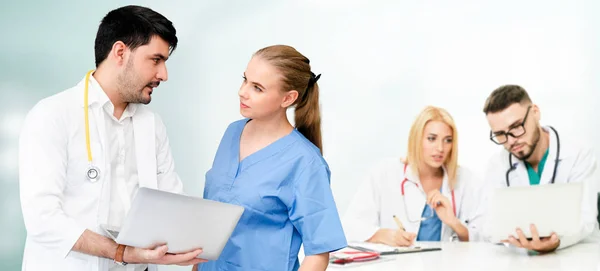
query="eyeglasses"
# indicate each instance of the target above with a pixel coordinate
(518, 131)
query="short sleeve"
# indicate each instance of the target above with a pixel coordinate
(313, 212)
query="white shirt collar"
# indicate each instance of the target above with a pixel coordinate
(98, 95)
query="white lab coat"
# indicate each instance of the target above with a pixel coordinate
(379, 198)
(57, 200)
(576, 164)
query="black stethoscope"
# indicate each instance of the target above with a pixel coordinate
(513, 167)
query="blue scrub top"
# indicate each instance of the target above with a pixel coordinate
(284, 189)
(430, 229)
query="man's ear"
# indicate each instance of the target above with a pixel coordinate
(118, 53)
(537, 112)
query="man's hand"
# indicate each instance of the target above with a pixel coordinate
(159, 255)
(92, 243)
(541, 245)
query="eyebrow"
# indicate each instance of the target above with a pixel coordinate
(515, 124)
(432, 134)
(161, 56)
(256, 83)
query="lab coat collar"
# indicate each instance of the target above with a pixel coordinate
(97, 95)
(95, 92)
(520, 175)
(546, 177)
(411, 176)
(420, 203)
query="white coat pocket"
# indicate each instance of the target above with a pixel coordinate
(77, 173)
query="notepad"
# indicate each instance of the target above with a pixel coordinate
(389, 250)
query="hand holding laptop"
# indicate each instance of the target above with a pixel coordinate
(159, 255)
(536, 243)
(531, 217)
(168, 228)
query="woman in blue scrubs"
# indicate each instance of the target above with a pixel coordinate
(276, 171)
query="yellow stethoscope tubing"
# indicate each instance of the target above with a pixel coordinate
(86, 116)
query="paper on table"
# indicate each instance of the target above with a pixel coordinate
(381, 248)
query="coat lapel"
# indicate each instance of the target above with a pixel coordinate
(446, 231)
(551, 159)
(145, 148)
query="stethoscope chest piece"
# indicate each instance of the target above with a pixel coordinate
(93, 173)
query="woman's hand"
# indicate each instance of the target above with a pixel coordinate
(395, 238)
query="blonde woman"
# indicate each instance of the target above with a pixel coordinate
(276, 170)
(423, 197)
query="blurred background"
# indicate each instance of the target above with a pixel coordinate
(382, 62)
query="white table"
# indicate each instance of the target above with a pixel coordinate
(486, 256)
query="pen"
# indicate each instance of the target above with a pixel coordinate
(399, 223)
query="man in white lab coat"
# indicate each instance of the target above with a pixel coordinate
(74, 178)
(529, 158)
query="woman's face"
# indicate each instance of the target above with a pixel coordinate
(437, 143)
(261, 94)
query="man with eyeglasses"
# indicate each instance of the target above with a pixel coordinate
(537, 155)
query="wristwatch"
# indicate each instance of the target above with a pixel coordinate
(119, 255)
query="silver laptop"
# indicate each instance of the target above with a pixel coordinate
(551, 207)
(182, 222)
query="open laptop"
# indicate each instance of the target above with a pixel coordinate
(182, 222)
(552, 208)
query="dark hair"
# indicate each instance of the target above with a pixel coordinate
(297, 75)
(503, 97)
(134, 26)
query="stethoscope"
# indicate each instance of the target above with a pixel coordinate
(93, 172)
(514, 166)
(420, 189)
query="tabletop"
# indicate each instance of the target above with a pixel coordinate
(484, 256)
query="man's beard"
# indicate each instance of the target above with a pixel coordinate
(131, 91)
(524, 156)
